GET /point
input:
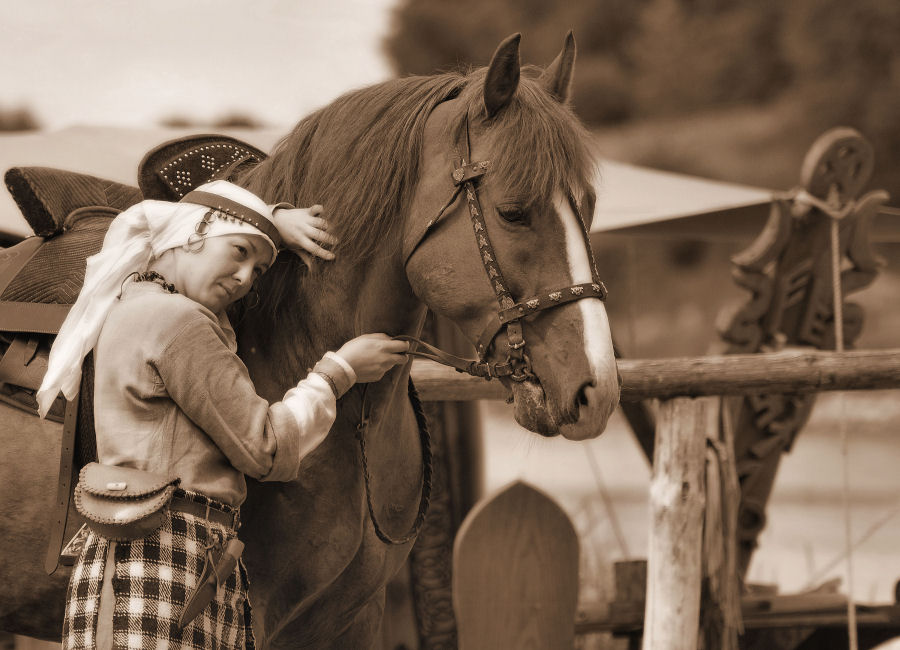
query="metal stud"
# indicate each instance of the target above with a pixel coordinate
(533, 303)
(577, 291)
(556, 295)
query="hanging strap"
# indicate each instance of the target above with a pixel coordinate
(63, 488)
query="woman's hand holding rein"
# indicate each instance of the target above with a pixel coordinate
(372, 355)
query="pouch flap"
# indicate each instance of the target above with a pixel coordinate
(103, 510)
(122, 482)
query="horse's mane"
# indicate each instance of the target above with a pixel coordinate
(359, 157)
(538, 148)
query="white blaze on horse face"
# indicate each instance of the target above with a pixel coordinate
(597, 341)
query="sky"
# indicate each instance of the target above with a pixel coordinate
(133, 62)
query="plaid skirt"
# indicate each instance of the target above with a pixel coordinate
(153, 579)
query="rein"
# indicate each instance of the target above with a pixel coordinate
(425, 441)
(517, 365)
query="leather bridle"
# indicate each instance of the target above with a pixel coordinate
(517, 365)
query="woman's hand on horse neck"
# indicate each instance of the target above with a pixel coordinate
(304, 231)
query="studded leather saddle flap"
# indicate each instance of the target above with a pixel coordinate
(174, 168)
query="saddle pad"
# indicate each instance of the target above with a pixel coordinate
(56, 271)
(47, 197)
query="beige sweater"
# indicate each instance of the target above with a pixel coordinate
(172, 396)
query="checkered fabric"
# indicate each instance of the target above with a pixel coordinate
(154, 577)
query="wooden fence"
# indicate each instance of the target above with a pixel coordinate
(790, 371)
(683, 485)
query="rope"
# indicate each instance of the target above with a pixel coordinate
(607, 501)
(804, 197)
(862, 539)
(839, 347)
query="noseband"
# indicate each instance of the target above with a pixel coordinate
(517, 365)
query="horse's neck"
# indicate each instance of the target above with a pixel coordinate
(347, 301)
(356, 299)
(380, 300)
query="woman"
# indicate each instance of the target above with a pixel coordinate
(171, 397)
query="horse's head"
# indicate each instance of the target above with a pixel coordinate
(536, 203)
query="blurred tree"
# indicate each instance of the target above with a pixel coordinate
(834, 62)
(691, 56)
(846, 58)
(428, 36)
(237, 120)
(233, 120)
(177, 122)
(18, 119)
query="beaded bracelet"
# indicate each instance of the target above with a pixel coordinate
(330, 380)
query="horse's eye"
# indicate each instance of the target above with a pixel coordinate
(514, 215)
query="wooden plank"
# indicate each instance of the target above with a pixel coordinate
(677, 502)
(733, 374)
(590, 620)
(515, 573)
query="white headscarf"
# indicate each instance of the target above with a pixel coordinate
(135, 237)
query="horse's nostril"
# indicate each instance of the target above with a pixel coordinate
(583, 397)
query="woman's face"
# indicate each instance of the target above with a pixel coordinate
(223, 270)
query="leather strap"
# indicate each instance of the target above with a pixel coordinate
(20, 366)
(473, 367)
(547, 300)
(37, 317)
(63, 488)
(230, 519)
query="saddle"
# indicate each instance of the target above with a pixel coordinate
(69, 214)
(41, 276)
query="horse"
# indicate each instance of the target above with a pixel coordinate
(414, 173)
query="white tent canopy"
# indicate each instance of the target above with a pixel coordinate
(631, 200)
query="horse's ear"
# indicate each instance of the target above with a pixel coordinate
(557, 78)
(502, 76)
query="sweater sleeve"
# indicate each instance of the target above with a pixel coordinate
(211, 385)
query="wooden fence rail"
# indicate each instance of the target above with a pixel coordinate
(789, 371)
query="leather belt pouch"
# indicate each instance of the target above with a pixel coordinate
(123, 503)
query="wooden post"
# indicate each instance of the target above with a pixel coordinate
(677, 502)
